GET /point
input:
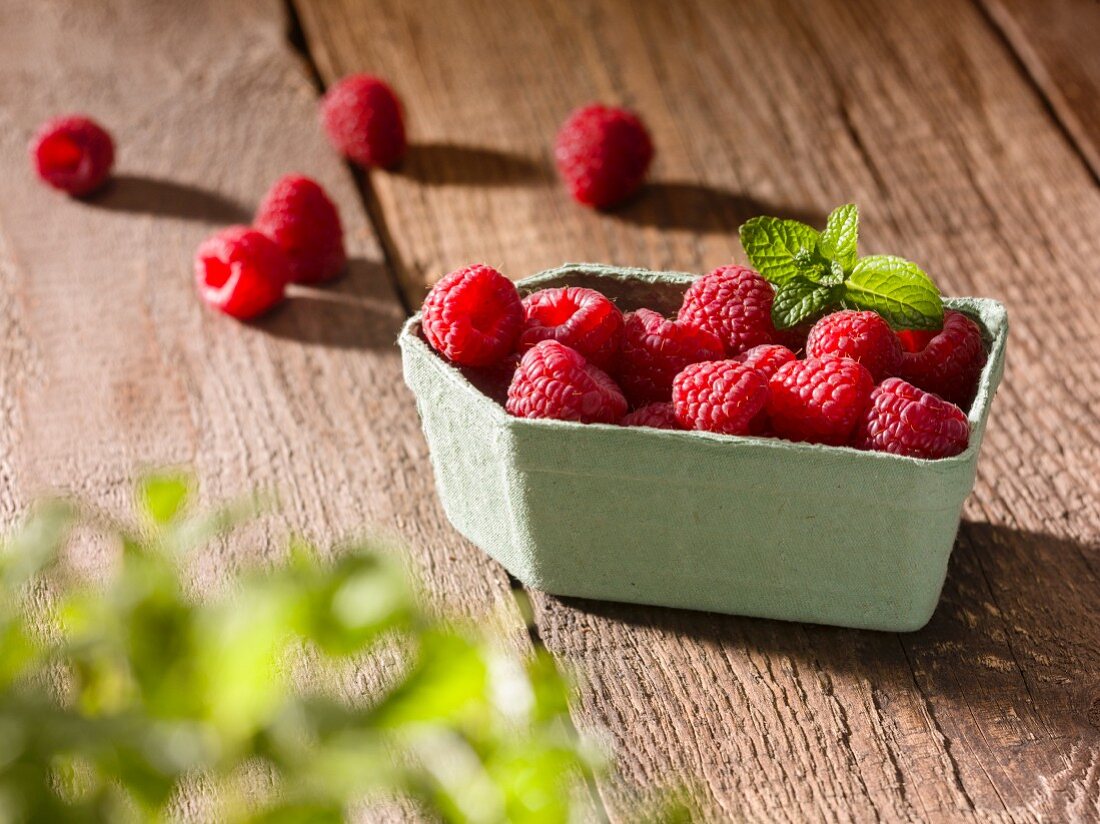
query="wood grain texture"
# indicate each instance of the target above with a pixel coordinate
(920, 113)
(1059, 44)
(111, 363)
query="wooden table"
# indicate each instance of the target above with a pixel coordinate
(968, 132)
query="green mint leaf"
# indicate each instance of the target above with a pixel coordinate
(839, 240)
(801, 299)
(896, 289)
(778, 249)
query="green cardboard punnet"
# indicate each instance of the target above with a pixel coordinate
(748, 526)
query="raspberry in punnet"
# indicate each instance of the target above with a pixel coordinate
(654, 415)
(913, 340)
(298, 215)
(862, 336)
(580, 318)
(554, 381)
(241, 272)
(951, 362)
(719, 396)
(73, 154)
(363, 119)
(734, 303)
(766, 359)
(905, 420)
(654, 350)
(603, 154)
(473, 316)
(819, 400)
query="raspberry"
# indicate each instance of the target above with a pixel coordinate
(905, 420)
(734, 303)
(719, 396)
(766, 359)
(554, 381)
(862, 336)
(241, 272)
(297, 214)
(820, 400)
(654, 415)
(473, 316)
(603, 154)
(913, 340)
(362, 117)
(951, 363)
(654, 351)
(73, 154)
(580, 318)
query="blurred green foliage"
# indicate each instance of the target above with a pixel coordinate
(132, 698)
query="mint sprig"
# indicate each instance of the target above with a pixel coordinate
(816, 272)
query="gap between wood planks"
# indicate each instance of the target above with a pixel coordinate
(993, 17)
(296, 38)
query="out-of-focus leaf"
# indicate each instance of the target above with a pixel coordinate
(162, 496)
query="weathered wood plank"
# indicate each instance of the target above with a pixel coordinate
(109, 360)
(1059, 43)
(918, 112)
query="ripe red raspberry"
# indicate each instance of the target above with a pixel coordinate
(73, 154)
(363, 119)
(913, 340)
(654, 350)
(473, 316)
(905, 420)
(766, 359)
(603, 154)
(241, 272)
(654, 415)
(951, 363)
(554, 381)
(862, 336)
(580, 318)
(734, 303)
(820, 400)
(297, 214)
(719, 396)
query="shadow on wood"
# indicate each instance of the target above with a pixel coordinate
(451, 163)
(166, 198)
(696, 206)
(355, 312)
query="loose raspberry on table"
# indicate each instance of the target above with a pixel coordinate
(473, 316)
(654, 415)
(767, 358)
(654, 350)
(603, 154)
(363, 119)
(950, 365)
(241, 272)
(820, 400)
(734, 303)
(554, 381)
(73, 153)
(298, 215)
(862, 336)
(580, 318)
(905, 420)
(719, 396)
